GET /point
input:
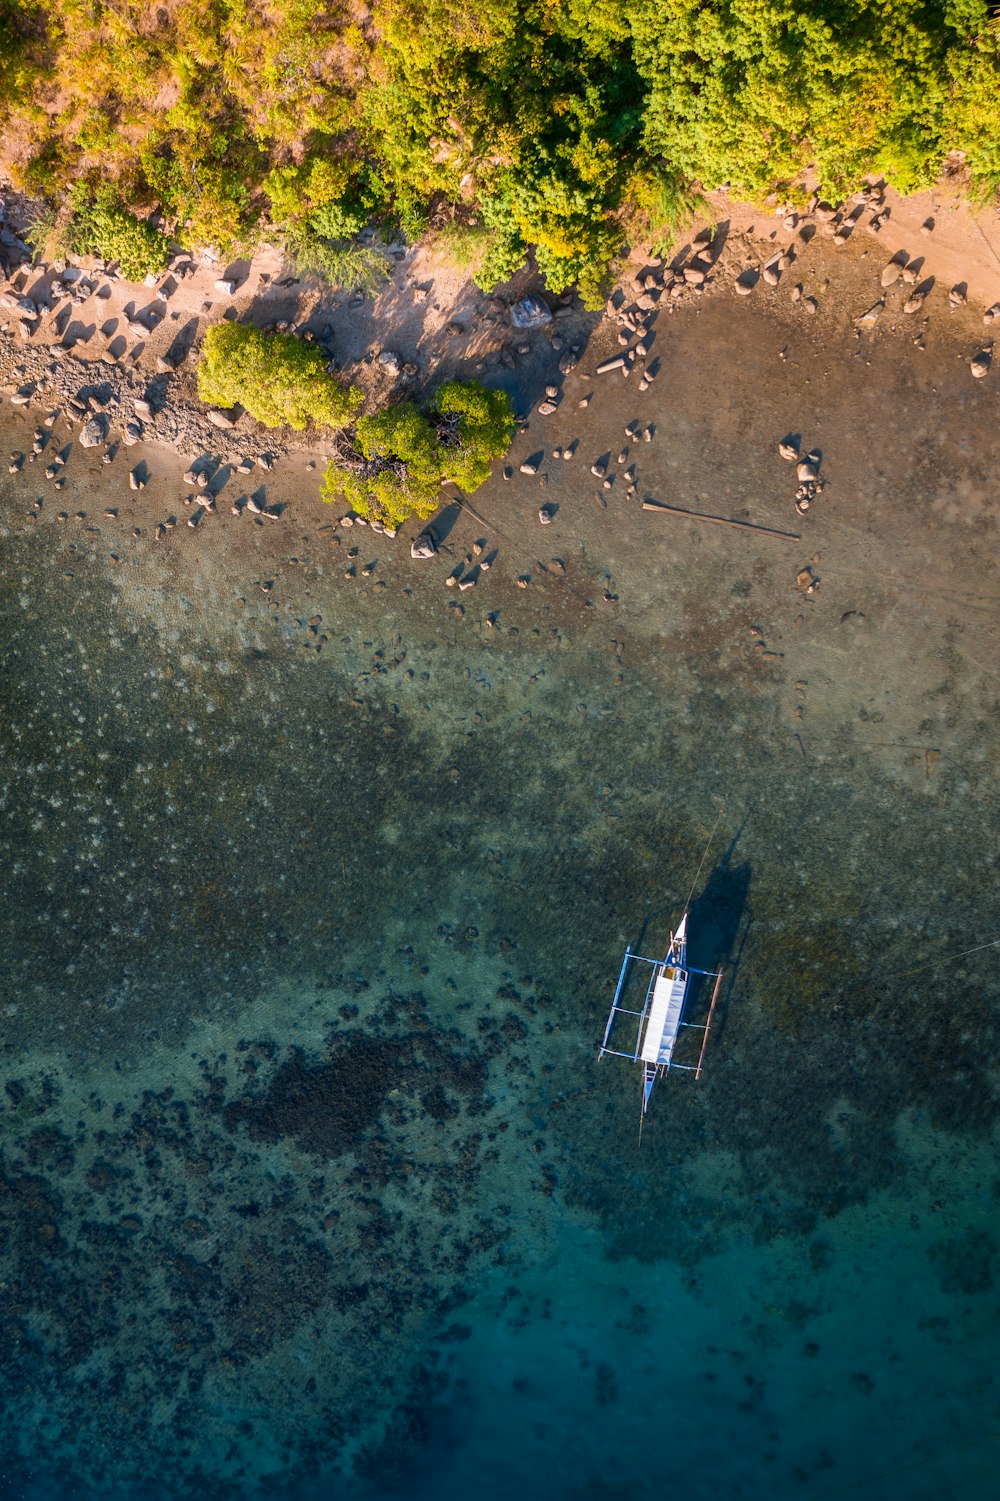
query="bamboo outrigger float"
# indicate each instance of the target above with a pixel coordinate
(659, 1022)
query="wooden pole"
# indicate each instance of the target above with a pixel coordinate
(748, 526)
(704, 1040)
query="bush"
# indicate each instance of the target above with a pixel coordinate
(402, 457)
(101, 226)
(356, 268)
(401, 472)
(475, 427)
(276, 377)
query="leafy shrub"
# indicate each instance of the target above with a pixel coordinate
(401, 473)
(476, 426)
(101, 226)
(356, 268)
(276, 377)
(401, 457)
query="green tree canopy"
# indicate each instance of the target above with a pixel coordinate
(400, 458)
(278, 379)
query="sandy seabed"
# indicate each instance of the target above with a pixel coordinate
(318, 881)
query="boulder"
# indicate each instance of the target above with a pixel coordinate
(423, 546)
(530, 312)
(95, 431)
(225, 420)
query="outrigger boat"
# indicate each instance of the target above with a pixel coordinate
(659, 1022)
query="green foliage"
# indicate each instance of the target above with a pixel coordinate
(402, 474)
(566, 126)
(356, 268)
(278, 379)
(478, 426)
(463, 245)
(101, 226)
(405, 456)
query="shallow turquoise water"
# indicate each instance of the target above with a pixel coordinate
(310, 1181)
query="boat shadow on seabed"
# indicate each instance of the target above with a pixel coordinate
(719, 924)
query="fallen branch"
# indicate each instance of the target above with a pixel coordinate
(749, 526)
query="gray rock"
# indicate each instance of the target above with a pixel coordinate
(389, 361)
(530, 312)
(224, 420)
(95, 431)
(423, 546)
(132, 432)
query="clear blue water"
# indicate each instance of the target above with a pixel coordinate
(310, 1183)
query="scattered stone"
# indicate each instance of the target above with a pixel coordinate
(227, 288)
(788, 451)
(914, 303)
(423, 546)
(201, 480)
(927, 227)
(221, 419)
(583, 403)
(894, 270)
(528, 468)
(546, 408)
(810, 305)
(746, 281)
(545, 515)
(806, 471)
(867, 320)
(598, 470)
(606, 366)
(389, 361)
(981, 364)
(94, 432)
(957, 296)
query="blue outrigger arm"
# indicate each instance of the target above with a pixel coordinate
(658, 1024)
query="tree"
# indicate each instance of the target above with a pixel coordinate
(276, 377)
(475, 426)
(397, 461)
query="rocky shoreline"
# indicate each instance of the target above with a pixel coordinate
(114, 362)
